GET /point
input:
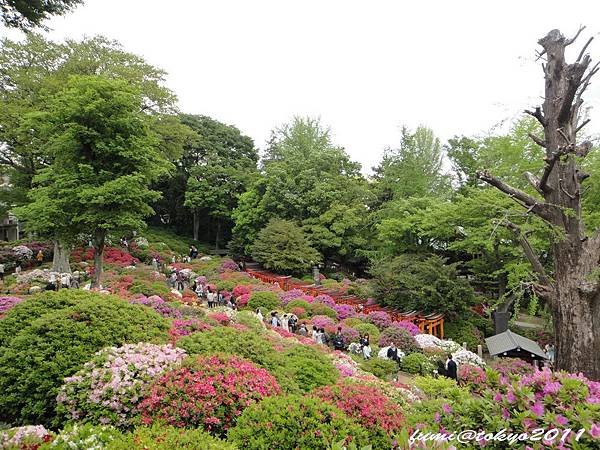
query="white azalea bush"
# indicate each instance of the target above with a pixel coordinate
(29, 436)
(450, 346)
(22, 252)
(85, 437)
(428, 341)
(463, 356)
(107, 389)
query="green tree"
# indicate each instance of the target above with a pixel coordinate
(104, 155)
(283, 247)
(422, 282)
(218, 163)
(30, 14)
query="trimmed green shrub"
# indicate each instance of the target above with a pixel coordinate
(150, 288)
(298, 303)
(440, 387)
(417, 364)
(251, 320)
(264, 299)
(55, 345)
(369, 329)
(294, 422)
(306, 366)
(352, 322)
(162, 437)
(381, 368)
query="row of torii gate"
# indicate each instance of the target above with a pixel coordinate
(427, 323)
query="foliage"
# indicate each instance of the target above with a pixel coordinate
(306, 366)
(381, 368)
(369, 407)
(370, 329)
(57, 343)
(250, 320)
(440, 387)
(83, 437)
(426, 283)
(28, 15)
(7, 303)
(318, 309)
(400, 337)
(417, 364)
(207, 392)
(282, 246)
(509, 367)
(108, 388)
(165, 437)
(29, 436)
(460, 331)
(292, 422)
(267, 300)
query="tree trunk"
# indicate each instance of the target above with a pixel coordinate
(196, 225)
(98, 241)
(573, 289)
(60, 260)
(218, 234)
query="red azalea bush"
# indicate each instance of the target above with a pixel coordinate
(220, 318)
(472, 375)
(243, 300)
(207, 392)
(368, 406)
(241, 289)
(185, 327)
(112, 255)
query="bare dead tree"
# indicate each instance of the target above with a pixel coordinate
(572, 290)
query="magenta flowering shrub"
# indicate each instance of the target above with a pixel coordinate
(473, 375)
(344, 311)
(350, 334)
(158, 305)
(109, 388)
(380, 319)
(507, 367)
(185, 327)
(326, 300)
(407, 325)
(288, 296)
(371, 301)
(241, 289)
(220, 317)
(322, 321)
(243, 300)
(207, 392)
(400, 337)
(230, 265)
(201, 279)
(7, 303)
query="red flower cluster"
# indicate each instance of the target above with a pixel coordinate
(209, 392)
(112, 255)
(367, 404)
(220, 318)
(184, 327)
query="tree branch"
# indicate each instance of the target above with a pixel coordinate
(537, 140)
(574, 38)
(538, 115)
(584, 48)
(583, 124)
(529, 253)
(534, 181)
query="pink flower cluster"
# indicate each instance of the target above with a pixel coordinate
(344, 311)
(7, 303)
(380, 319)
(512, 366)
(220, 318)
(209, 392)
(109, 388)
(185, 327)
(326, 300)
(407, 325)
(322, 321)
(367, 404)
(241, 289)
(230, 265)
(157, 304)
(288, 296)
(472, 374)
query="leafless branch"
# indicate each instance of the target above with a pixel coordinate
(564, 136)
(529, 252)
(537, 140)
(583, 124)
(574, 38)
(584, 48)
(538, 115)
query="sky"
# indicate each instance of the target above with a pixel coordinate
(364, 67)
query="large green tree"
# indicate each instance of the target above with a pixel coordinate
(104, 156)
(28, 14)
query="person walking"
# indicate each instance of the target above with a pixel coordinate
(180, 281)
(259, 314)
(155, 264)
(315, 333)
(2, 272)
(392, 353)
(338, 340)
(284, 322)
(40, 257)
(365, 346)
(451, 369)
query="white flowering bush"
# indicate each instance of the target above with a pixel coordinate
(354, 347)
(23, 437)
(463, 356)
(141, 242)
(85, 437)
(107, 389)
(428, 341)
(450, 346)
(22, 252)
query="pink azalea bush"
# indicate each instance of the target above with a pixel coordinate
(230, 265)
(322, 321)
(380, 319)
(288, 296)
(207, 392)
(344, 311)
(508, 367)
(185, 327)
(220, 318)
(109, 388)
(26, 437)
(243, 300)
(7, 303)
(158, 305)
(473, 375)
(368, 406)
(326, 300)
(241, 289)
(407, 325)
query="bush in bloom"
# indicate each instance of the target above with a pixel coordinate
(185, 327)
(241, 289)
(508, 367)
(108, 389)
(157, 304)
(407, 325)
(299, 312)
(322, 321)
(344, 311)
(230, 265)
(472, 375)
(243, 300)
(220, 318)
(207, 392)
(380, 319)
(369, 407)
(288, 296)
(29, 436)
(7, 303)
(466, 357)
(325, 299)
(22, 252)
(399, 336)
(428, 341)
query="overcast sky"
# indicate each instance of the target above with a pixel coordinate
(364, 67)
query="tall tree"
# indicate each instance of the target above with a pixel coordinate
(29, 14)
(573, 289)
(104, 156)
